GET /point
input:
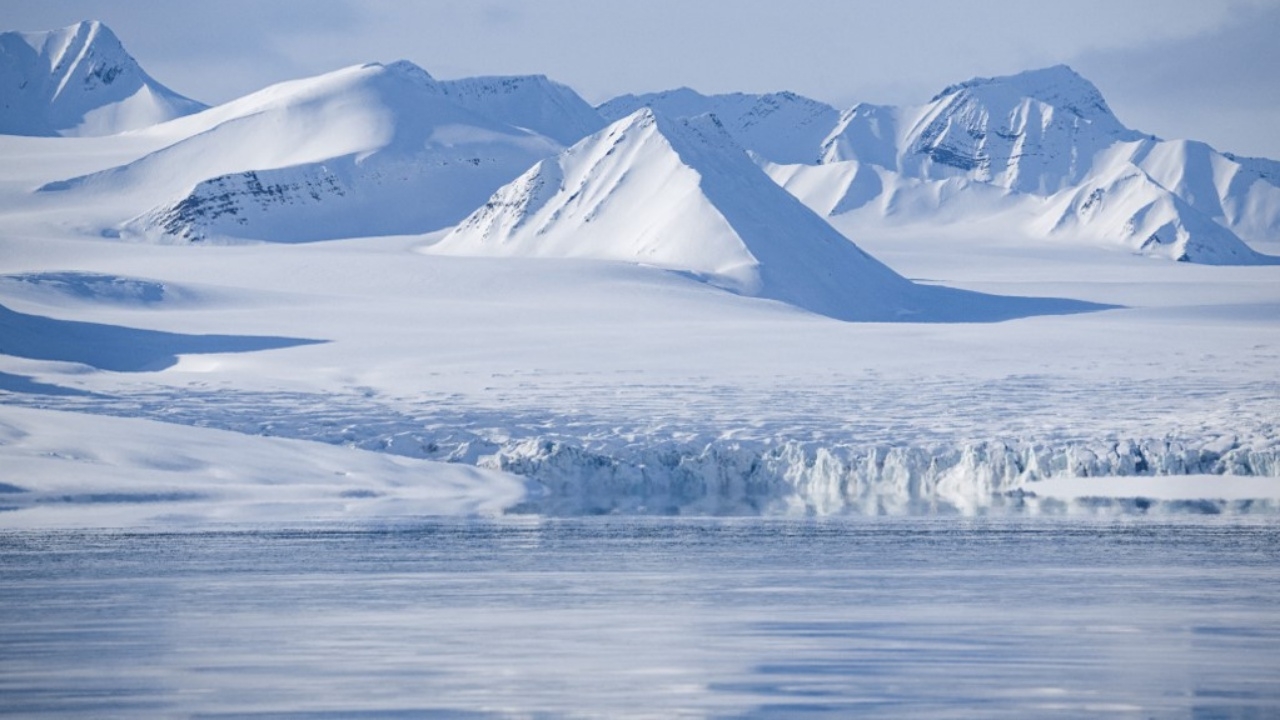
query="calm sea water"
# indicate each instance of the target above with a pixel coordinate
(608, 617)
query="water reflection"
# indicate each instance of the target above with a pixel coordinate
(648, 618)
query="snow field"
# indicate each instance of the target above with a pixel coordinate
(618, 388)
(643, 322)
(77, 470)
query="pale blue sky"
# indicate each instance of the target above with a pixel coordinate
(1203, 69)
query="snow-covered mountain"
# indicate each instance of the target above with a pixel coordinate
(1241, 194)
(387, 149)
(366, 150)
(79, 80)
(680, 194)
(1169, 207)
(782, 127)
(532, 102)
(1035, 132)
(614, 325)
(1048, 137)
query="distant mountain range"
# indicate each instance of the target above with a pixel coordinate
(387, 149)
(779, 127)
(368, 150)
(681, 194)
(1046, 136)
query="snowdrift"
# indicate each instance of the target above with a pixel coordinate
(648, 326)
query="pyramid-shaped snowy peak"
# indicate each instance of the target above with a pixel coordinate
(681, 195)
(79, 80)
(781, 127)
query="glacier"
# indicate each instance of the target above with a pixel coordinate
(732, 405)
(790, 462)
(674, 303)
(732, 478)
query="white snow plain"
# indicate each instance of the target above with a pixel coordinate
(619, 388)
(92, 471)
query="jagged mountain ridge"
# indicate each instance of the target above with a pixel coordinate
(79, 80)
(1034, 132)
(680, 194)
(1045, 138)
(1044, 135)
(533, 102)
(781, 127)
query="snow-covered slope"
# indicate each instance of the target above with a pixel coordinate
(1048, 140)
(1035, 132)
(1241, 194)
(1128, 205)
(532, 102)
(680, 194)
(79, 80)
(782, 127)
(610, 384)
(82, 471)
(367, 150)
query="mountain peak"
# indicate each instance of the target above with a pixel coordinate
(680, 194)
(1034, 132)
(79, 80)
(408, 69)
(368, 149)
(782, 126)
(534, 102)
(1058, 86)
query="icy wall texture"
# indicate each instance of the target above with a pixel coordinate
(730, 478)
(591, 464)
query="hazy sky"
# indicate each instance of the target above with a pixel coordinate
(1203, 69)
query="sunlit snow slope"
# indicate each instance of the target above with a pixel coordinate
(532, 102)
(367, 150)
(682, 195)
(1046, 144)
(643, 322)
(781, 127)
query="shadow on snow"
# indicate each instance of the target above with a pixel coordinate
(118, 348)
